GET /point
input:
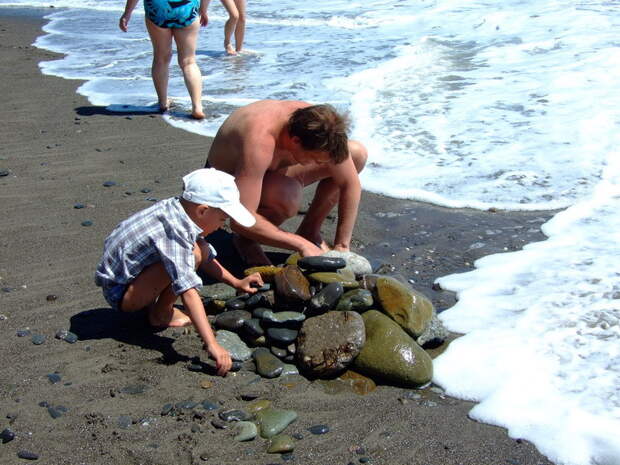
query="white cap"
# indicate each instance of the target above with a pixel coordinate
(216, 189)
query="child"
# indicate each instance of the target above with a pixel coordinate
(150, 259)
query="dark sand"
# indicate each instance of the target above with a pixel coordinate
(60, 150)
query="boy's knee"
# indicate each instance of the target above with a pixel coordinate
(359, 154)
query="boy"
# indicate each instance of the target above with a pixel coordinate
(150, 259)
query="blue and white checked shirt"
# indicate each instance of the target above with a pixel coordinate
(161, 233)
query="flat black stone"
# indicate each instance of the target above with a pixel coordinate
(364, 459)
(54, 378)
(79, 206)
(151, 199)
(195, 367)
(319, 429)
(166, 409)
(86, 223)
(320, 263)
(260, 311)
(278, 352)
(208, 405)
(70, 337)
(186, 405)
(253, 327)
(145, 190)
(282, 335)
(23, 332)
(43, 403)
(38, 339)
(51, 297)
(235, 303)
(27, 455)
(7, 435)
(297, 436)
(219, 424)
(54, 413)
(4, 173)
(109, 184)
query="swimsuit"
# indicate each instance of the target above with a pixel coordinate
(171, 13)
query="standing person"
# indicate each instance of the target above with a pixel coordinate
(274, 148)
(181, 20)
(236, 24)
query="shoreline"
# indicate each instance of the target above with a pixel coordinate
(59, 154)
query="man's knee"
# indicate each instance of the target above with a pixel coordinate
(281, 198)
(359, 154)
(186, 61)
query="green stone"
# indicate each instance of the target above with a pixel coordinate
(357, 300)
(267, 364)
(273, 421)
(267, 273)
(283, 317)
(327, 277)
(407, 307)
(246, 431)
(257, 406)
(281, 444)
(390, 354)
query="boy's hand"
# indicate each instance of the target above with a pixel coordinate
(250, 283)
(223, 362)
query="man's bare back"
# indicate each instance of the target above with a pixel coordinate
(271, 166)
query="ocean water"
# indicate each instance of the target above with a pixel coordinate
(511, 104)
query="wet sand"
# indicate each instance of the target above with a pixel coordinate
(59, 151)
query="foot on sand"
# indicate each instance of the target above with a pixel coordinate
(164, 108)
(176, 318)
(198, 115)
(230, 49)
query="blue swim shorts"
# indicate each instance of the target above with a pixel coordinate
(114, 295)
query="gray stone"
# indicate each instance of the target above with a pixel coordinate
(246, 431)
(232, 320)
(328, 343)
(326, 298)
(356, 263)
(253, 328)
(434, 335)
(283, 336)
(283, 317)
(233, 344)
(273, 421)
(267, 364)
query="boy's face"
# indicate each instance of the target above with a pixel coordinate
(211, 218)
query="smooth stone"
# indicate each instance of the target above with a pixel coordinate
(292, 287)
(283, 317)
(360, 384)
(321, 263)
(267, 273)
(326, 298)
(232, 320)
(135, 389)
(281, 444)
(357, 300)
(278, 351)
(234, 415)
(289, 369)
(109, 183)
(410, 309)
(319, 429)
(233, 344)
(273, 421)
(124, 422)
(253, 328)
(54, 412)
(27, 455)
(79, 206)
(7, 435)
(54, 378)
(208, 405)
(86, 223)
(260, 341)
(246, 431)
(327, 277)
(51, 298)
(185, 405)
(257, 406)
(235, 304)
(267, 365)
(298, 436)
(66, 336)
(38, 339)
(391, 354)
(43, 403)
(260, 311)
(357, 264)
(434, 335)
(4, 173)
(166, 409)
(219, 424)
(328, 343)
(257, 300)
(217, 291)
(195, 428)
(369, 282)
(282, 335)
(23, 332)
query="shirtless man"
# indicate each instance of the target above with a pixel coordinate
(274, 149)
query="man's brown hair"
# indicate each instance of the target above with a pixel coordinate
(322, 128)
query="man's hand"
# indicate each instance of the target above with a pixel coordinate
(311, 250)
(223, 362)
(204, 19)
(250, 283)
(123, 22)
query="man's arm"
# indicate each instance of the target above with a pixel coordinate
(347, 179)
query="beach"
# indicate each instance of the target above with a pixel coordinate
(59, 151)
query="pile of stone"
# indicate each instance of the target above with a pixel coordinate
(323, 315)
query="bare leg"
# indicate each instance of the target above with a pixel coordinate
(161, 39)
(231, 24)
(240, 29)
(186, 39)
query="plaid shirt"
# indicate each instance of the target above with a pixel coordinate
(161, 233)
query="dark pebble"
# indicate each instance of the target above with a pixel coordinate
(43, 403)
(235, 303)
(4, 173)
(7, 435)
(234, 415)
(287, 457)
(194, 367)
(145, 190)
(8, 289)
(319, 429)
(27, 455)
(135, 389)
(360, 451)
(166, 409)
(208, 405)
(124, 422)
(297, 436)
(186, 405)
(364, 459)
(54, 378)
(54, 412)
(219, 424)
(70, 337)
(109, 184)
(151, 199)
(51, 298)
(79, 206)
(23, 332)
(86, 223)
(38, 339)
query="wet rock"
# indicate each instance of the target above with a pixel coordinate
(86, 223)
(258, 405)
(259, 299)
(234, 415)
(233, 344)
(357, 264)
(319, 429)
(359, 384)
(27, 455)
(410, 309)
(253, 328)
(289, 369)
(7, 435)
(281, 444)
(292, 287)
(54, 378)
(327, 277)
(246, 431)
(232, 320)
(357, 300)
(278, 351)
(109, 183)
(217, 291)
(369, 282)
(54, 412)
(282, 336)
(259, 312)
(326, 298)
(51, 298)
(328, 343)
(282, 318)
(186, 405)
(267, 365)
(219, 424)
(66, 336)
(166, 409)
(208, 405)
(267, 273)
(391, 354)
(273, 421)
(4, 173)
(23, 332)
(434, 335)
(38, 339)
(321, 263)
(236, 303)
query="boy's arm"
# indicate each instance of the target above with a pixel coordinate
(215, 270)
(193, 303)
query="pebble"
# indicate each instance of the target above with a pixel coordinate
(219, 424)
(151, 199)
(146, 190)
(124, 422)
(195, 428)
(298, 436)
(86, 223)
(51, 298)
(66, 336)
(208, 405)
(282, 335)
(246, 431)
(54, 412)
(43, 403)
(27, 455)
(364, 459)
(79, 206)
(7, 435)
(166, 409)
(23, 332)
(109, 184)
(38, 339)
(281, 443)
(206, 384)
(234, 415)
(3, 317)
(134, 389)
(4, 173)
(319, 429)
(54, 378)
(185, 405)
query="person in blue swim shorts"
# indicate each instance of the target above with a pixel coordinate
(179, 20)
